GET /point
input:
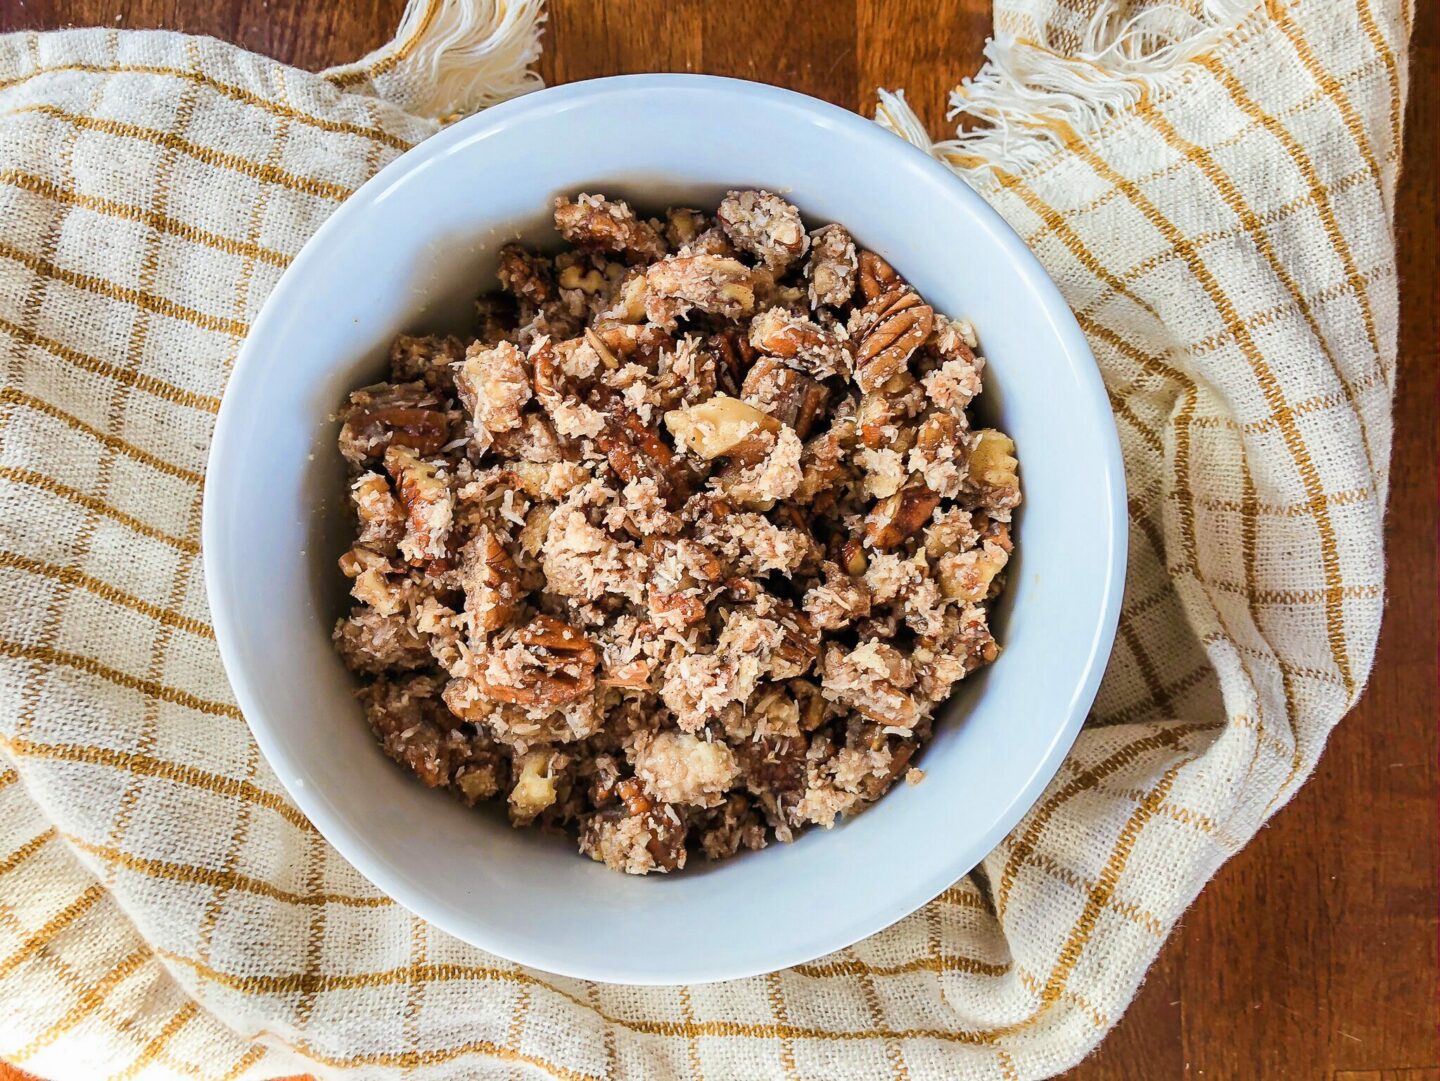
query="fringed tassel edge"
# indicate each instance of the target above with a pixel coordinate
(1026, 97)
(450, 58)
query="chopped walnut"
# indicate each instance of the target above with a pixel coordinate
(494, 384)
(765, 226)
(887, 331)
(683, 549)
(382, 519)
(680, 767)
(831, 271)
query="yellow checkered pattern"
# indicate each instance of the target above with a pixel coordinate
(1224, 238)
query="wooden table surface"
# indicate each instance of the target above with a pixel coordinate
(1313, 954)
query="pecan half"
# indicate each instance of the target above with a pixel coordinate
(735, 355)
(891, 328)
(877, 277)
(558, 666)
(710, 283)
(635, 451)
(490, 579)
(800, 342)
(610, 227)
(399, 414)
(785, 394)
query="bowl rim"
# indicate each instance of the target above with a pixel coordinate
(867, 134)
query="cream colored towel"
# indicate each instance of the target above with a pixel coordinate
(1210, 184)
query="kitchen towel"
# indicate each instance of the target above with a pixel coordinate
(1210, 183)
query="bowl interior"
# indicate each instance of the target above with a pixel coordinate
(408, 253)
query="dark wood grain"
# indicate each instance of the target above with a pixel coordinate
(1313, 953)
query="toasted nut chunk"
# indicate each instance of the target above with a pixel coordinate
(801, 343)
(494, 384)
(799, 645)
(428, 502)
(636, 843)
(683, 225)
(873, 678)
(939, 444)
(575, 276)
(877, 277)
(898, 517)
(890, 328)
(831, 269)
(546, 663)
(406, 414)
(710, 283)
(427, 359)
(992, 460)
(764, 225)
(721, 425)
(785, 394)
(855, 560)
(637, 453)
(966, 576)
(382, 519)
(490, 579)
(838, 601)
(680, 767)
(631, 675)
(599, 225)
(627, 300)
(534, 789)
(371, 642)
(526, 276)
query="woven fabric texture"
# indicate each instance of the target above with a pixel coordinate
(1210, 185)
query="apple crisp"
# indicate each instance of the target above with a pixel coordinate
(683, 548)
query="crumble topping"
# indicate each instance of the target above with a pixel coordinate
(682, 550)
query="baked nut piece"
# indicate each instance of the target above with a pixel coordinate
(683, 548)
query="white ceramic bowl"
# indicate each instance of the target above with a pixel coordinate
(408, 252)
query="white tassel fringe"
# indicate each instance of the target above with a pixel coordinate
(1025, 93)
(450, 58)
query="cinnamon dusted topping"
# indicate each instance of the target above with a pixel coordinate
(684, 548)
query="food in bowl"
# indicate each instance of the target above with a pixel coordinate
(685, 547)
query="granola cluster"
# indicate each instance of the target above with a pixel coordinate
(683, 549)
